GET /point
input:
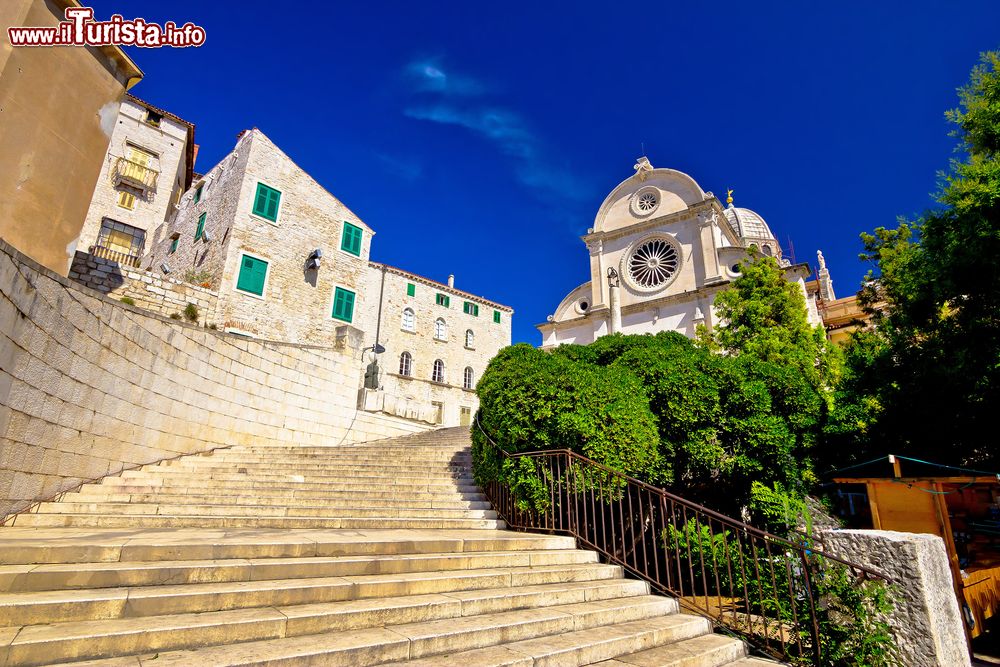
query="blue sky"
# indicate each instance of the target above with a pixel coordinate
(479, 139)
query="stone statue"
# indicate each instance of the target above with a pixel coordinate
(822, 260)
(642, 168)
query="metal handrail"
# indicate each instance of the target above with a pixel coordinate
(750, 582)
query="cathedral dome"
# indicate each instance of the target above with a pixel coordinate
(747, 224)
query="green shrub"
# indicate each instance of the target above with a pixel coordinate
(127, 300)
(175, 316)
(532, 400)
(191, 312)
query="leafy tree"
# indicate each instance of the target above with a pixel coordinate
(926, 383)
(764, 316)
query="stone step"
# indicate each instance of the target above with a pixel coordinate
(705, 651)
(194, 480)
(406, 632)
(58, 545)
(359, 510)
(334, 455)
(195, 521)
(428, 479)
(34, 608)
(74, 576)
(592, 646)
(260, 489)
(294, 466)
(166, 495)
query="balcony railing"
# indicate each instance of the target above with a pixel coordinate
(767, 589)
(137, 175)
(125, 259)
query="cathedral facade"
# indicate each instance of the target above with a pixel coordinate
(660, 249)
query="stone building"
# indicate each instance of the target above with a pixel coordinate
(59, 110)
(288, 261)
(438, 341)
(660, 249)
(148, 166)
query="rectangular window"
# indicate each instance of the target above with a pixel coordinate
(471, 309)
(343, 305)
(266, 201)
(126, 200)
(121, 238)
(197, 193)
(496, 316)
(442, 300)
(153, 118)
(201, 226)
(173, 245)
(253, 274)
(350, 240)
(411, 289)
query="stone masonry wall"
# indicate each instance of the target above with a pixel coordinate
(89, 385)
(417, 394)
(149, 291)
(925, 621)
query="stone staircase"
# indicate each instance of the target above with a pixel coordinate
(383, 553)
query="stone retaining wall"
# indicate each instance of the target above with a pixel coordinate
(89, 385)
(149, 291)
(926, 621)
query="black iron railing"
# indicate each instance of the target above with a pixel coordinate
(752, 583)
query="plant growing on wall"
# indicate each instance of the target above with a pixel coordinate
(191, 312)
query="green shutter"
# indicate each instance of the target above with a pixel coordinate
(253, 272)
(411, 289)
(201, 226)
(265, 203)
(197, 194)
(471, 309)
(343, 304)
(173, 246)
(350, 240)
(442, 300)
(496, 316)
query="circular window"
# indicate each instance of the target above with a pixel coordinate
(584, 305)
(652, 263)
(645, 201)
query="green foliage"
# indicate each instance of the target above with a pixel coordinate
(197, 277)
(936, 346)
(191, 312)
(778, 510)
(659, 408)
(176, 316)
(853, 630)
(532, 400)
(764, 316)
(127, 300)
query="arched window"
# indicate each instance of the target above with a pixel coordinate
(438, 373)
(467, 379)
(406, 364)
(409, 320)
(470, 338)
(440, 329)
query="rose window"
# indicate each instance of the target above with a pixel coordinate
(653, 263)
(646, 202)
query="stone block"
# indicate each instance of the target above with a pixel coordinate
(926, 621)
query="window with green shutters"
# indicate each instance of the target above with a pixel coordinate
(343, 304)
(253, 274)
(201, 226)
(197, 193)
(173, 245)
(471, 309)
(496, 316)
(350, 240)
(411, 289)
(442, 300)
(266, 201)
